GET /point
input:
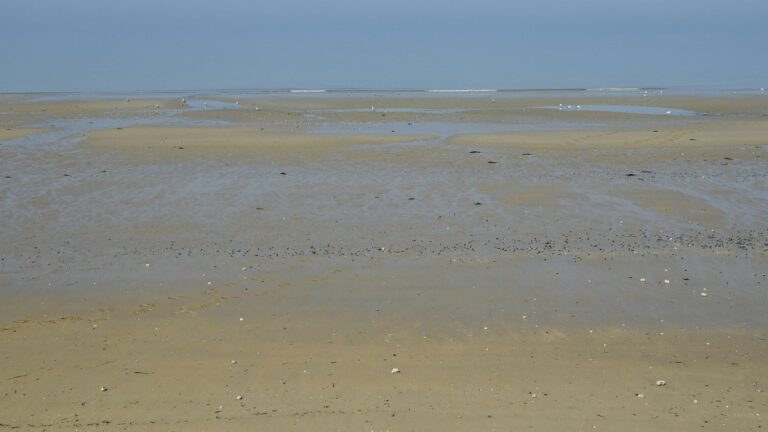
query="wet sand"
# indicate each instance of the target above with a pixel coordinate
(180, 267)
(10, 133)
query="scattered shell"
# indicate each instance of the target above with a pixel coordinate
(239, 397)
(661, 383)
(395, 371)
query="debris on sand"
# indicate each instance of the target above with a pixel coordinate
(395, 371)
(661, 383)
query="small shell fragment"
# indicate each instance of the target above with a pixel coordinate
(395, 371)
(661, 383)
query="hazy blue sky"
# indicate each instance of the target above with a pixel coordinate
(101, 45)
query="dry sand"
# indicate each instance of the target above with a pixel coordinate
(233, 142)
(188, 362)
(716, 134)
(273, 273)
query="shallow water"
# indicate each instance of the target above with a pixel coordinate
(626, 109)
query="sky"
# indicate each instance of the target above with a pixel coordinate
(128, 45)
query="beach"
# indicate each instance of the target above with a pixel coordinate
(401, 261)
